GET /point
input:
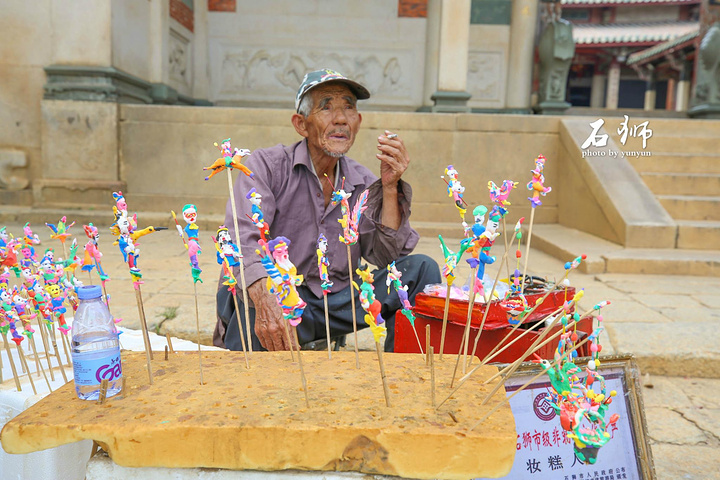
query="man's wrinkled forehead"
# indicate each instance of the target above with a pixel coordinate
(325, 93)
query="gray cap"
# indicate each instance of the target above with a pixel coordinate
(313, 79)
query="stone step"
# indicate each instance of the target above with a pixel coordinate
(433, 229)
(694, 184)
(700, 235)
(668, 162)
(567, 243)
(670, 143)
(664, 127)
(664, 261)
(605, 257)
(686, 207)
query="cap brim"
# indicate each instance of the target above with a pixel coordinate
(360, 92)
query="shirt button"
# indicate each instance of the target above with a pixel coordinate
(322, 222)
(318, 195)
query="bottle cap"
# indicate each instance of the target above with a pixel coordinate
(89, 291)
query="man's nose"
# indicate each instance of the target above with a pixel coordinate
(340, 116)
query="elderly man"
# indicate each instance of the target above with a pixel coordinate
(295, 183)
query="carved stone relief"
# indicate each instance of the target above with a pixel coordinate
(274, 74)
(485, 76)
(10, 162)
(179, 59)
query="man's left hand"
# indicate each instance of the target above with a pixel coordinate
(394, 159)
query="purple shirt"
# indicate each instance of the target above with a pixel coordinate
(293, 206)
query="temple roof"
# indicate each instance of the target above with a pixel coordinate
(618, 34)
(643, 56)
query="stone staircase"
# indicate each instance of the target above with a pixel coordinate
(684, 174)
(682, 171)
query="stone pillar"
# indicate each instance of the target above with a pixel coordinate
(81, 32)
(523, 24)
(451, 94)
(650, 90)
(432, 50)
(683, 87)
(597, 91)
(613, 86)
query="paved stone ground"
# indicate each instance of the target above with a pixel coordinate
(667, 322)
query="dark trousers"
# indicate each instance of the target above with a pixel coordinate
(417, 271)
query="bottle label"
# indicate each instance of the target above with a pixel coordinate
(94, 371)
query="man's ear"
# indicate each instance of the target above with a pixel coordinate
(299, 122)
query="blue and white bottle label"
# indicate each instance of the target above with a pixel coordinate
(92, 372)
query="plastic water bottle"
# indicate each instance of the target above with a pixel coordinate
(95, 346)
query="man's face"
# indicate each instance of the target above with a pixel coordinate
(333, 121)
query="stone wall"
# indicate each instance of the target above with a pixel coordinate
(260, 52)
(163, 150)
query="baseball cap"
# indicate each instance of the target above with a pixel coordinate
(313, 79)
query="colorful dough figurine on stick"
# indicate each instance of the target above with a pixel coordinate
(192, 245)
(374, 319)
(455, 190)
(229, 257)
(350, 222)
(230, 160)
(448, 271)
(393, 279)
(326, 284)
(537, 187)
(499, 196)
(282, 282)
(581, 402)
(127, 233)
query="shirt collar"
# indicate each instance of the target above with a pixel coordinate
(352, 177)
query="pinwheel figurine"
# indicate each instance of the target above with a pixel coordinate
(500, 194)
(92, 253)
(60, 230)
(537, 184)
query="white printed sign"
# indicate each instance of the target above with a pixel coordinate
(543, 452)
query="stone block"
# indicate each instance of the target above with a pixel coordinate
(21, 89)
(658, 301)
(90, 194)
(19, 42)
(12, 162)
(687, 462)
(624, 310)
(698, 234)
(79, 140)
(695, 314)
(687, 207)
(82, 32)
(664, 423)
(711, 301)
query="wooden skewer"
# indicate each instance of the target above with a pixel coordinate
(432, 375)
(38, 363)
(27, 368)
(12, 364)
(507, 399)
(445, 317)
(516, 326)
(197, 323)
(352, 302)
(43, 335)
(146, 336)
(548, 340)
(488, 300)
(302, 371)
(506, 256)
(56, 352)
(169, 342)
(466, 333)
(520, 359)
(242, 263)
(527, 250)
(327, 325)
(469, 374)
(249, 340)
(386, 389)
(103, 391)
(427, 344)
(166, 352)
